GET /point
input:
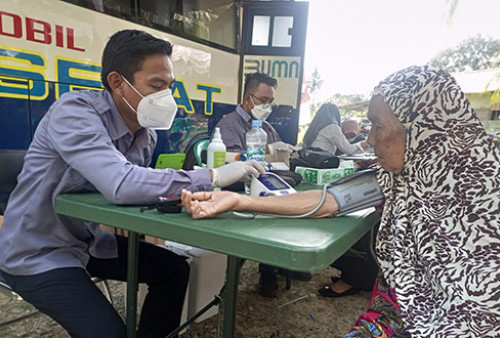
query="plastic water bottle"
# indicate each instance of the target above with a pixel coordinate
(256, 146)
(216, 151)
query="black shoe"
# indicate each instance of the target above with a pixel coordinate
(296, 275)
(325, 291)
(335, 279)
(268, 285)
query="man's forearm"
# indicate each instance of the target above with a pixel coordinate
(294, 204)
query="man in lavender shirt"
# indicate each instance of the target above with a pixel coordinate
(102, 141)
(258, 97)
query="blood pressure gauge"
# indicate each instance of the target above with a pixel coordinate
(270, 184)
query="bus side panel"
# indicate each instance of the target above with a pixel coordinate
(15, 119)
(39, 108)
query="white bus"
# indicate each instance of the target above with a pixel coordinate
(49, 47)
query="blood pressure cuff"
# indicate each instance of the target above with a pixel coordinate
(356, 192)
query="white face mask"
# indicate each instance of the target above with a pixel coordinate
(156, 110)
(351, 139)
(261, 111)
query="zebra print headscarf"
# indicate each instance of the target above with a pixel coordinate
(439, 241)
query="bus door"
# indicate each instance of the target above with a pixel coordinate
(273, 42)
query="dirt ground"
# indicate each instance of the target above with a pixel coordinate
(298, 312)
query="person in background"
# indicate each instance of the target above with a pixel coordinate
(438, 244)
(324, 132)
(358, 270)
(257, 104)
(102, 141)
(351, 130)
(258, 97)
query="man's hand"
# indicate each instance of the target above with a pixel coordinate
(208, 204)
(236, 171)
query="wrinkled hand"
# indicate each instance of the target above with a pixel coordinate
(280, 146)
(208, 204)
(236, 171)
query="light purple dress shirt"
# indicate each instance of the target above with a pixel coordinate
(234, 127)
(81, 144)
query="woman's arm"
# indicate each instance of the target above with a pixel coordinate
(210, 204)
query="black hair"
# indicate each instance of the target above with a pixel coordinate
(126, 50)
(327, 114)
(253, 80)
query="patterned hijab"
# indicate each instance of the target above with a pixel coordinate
(439, 240)
(327, 114)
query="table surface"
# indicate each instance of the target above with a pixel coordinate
(295, 244)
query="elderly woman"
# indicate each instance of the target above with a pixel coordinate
(438, 243)
(325, 133)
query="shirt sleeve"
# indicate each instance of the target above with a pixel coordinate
(337, 140)
(272, 134)
(79, 136)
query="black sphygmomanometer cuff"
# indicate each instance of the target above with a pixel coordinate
(356, 192)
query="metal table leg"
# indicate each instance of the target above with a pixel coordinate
(132, 268)
(233, 267)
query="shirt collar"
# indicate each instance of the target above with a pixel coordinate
(117, 127)
(243, 114)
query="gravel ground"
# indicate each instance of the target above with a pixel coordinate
(298, 312)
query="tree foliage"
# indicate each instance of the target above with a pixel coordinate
(452, 9)
(474, 53)
(314, 84)
(350, 105)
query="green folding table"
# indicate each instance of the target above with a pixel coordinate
(294, 244)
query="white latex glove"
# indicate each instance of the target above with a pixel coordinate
(280, 146)
(236, 171)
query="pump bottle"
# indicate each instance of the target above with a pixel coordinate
(216, 151)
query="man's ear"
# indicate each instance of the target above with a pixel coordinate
(246, 101)
(116, 83)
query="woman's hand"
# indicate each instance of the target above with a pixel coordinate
(364, 145)
(208, 204)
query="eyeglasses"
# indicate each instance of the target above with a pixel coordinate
(264, 100)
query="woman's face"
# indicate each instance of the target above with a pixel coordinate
(387, 135)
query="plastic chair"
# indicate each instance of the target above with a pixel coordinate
(174, 161)
(196, 151)
(198, 148)
(11, 164)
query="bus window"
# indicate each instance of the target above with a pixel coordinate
(210, 20)
(281, 26)
(119, 8)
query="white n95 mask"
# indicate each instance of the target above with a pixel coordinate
(156, 110)
(261, 111)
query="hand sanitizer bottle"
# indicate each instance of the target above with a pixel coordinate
(216, 151)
